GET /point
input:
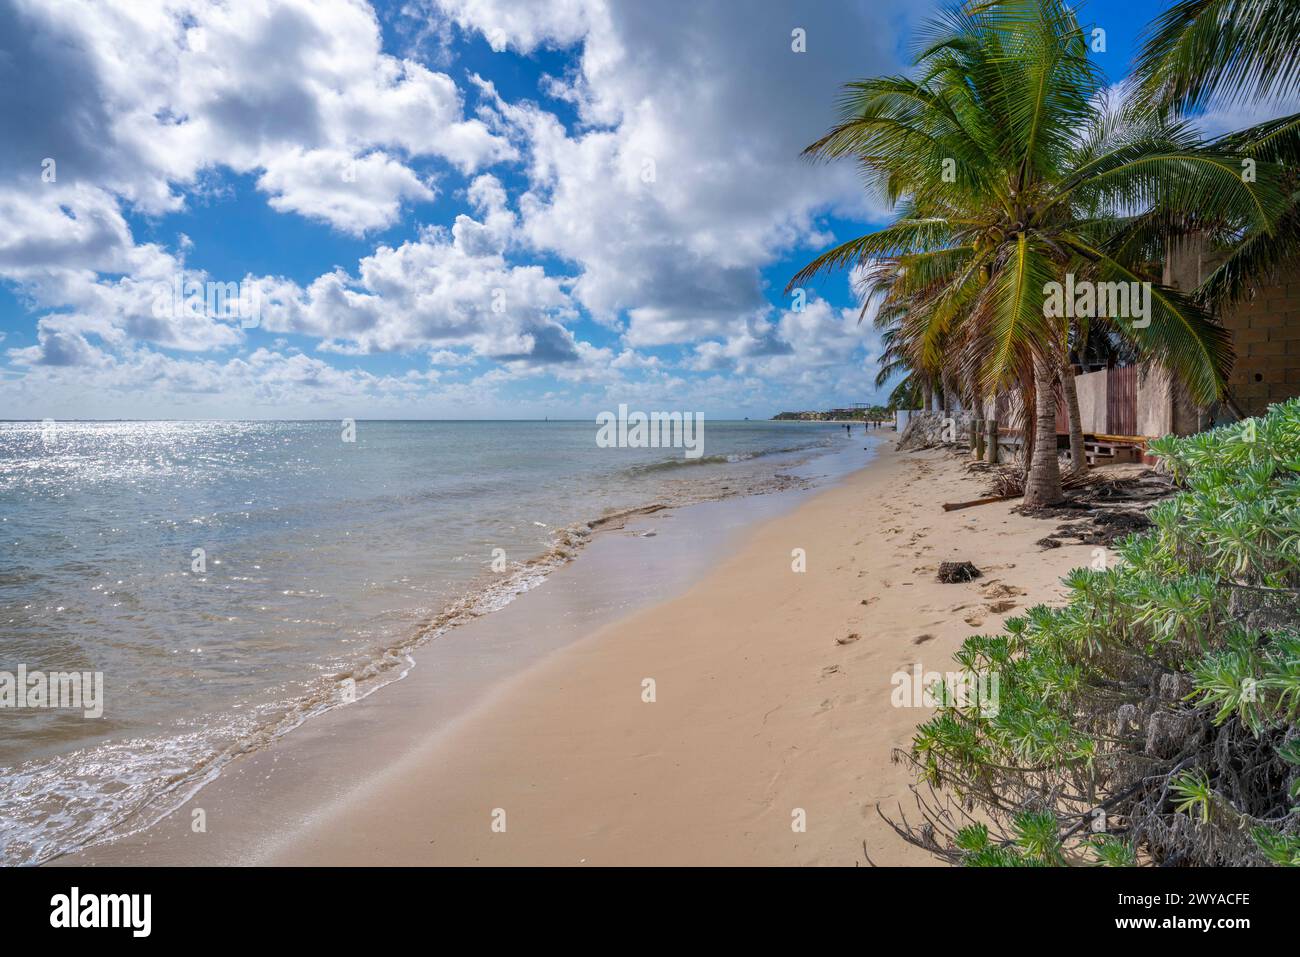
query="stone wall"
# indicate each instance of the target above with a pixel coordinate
(1265, 332)
(926, 429)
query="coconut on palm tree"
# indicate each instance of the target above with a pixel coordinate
(1011, 170)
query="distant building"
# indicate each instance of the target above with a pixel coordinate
(857, 411)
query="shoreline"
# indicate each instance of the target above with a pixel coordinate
(472, 620)
(387, 661)
(772, 694)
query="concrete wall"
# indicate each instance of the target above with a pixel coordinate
(1265, 333)
(1156, 404)
(1155, 401)
(1092, 404)
(1091, 387)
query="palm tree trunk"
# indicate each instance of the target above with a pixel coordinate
(1043, 483)
(1027, 433)
(1078, 461)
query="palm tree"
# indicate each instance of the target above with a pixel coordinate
(1229, 52)
(1008, 169)
(1233, 50)
(1070, 396)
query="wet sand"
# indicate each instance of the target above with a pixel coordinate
(527, 736)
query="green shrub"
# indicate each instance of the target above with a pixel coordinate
(1153, 717)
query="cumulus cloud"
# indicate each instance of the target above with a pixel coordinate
(56, 347)
(653, 214)
(370, 198)
(685, 177)
(793, 346)
(446, 288)
(137, 99)
(271, 382)
(61, 227)
(1219, 119)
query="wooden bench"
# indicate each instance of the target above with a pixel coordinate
(1098, 449)
(1113, 449)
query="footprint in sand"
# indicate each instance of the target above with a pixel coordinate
(998, 607)
(974, 620)
(830, 670)
(922, 639)
(848, 639)
(996, 589)
(869, 601)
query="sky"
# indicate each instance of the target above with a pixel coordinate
(436, 208)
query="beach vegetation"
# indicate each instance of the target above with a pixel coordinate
(1155, 716)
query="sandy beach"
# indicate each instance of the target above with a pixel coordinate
(772, 706)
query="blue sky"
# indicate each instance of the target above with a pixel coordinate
(438, 208)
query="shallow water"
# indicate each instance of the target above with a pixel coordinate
(323, 561)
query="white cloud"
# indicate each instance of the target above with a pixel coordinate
(794, 347)
(138, 99)
(53, 226)
(142, 305)
(58, 347)
(525, 26)
(446, 288)
(679, 184)
(686, 178)
(1228, 118)
(354, 195)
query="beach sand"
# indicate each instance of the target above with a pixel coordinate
(772, 703)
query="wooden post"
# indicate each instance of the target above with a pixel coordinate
(991, 440)
(977, 439)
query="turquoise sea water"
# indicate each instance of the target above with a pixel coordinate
(323, 561)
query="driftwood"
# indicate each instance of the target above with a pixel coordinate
(953, 506)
